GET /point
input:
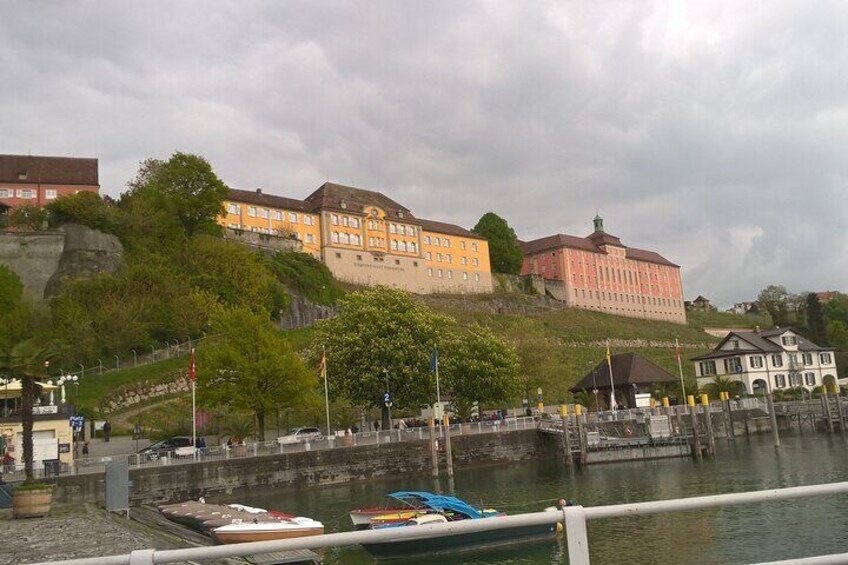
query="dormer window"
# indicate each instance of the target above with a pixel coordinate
(789, 340)
(735, 343)
(22, 176)
(400, 214)
(344, 205)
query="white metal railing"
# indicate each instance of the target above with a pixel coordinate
(254, 449)
(574, 517)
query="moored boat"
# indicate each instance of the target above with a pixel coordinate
(234, 523)
(444, 509)
(267, 530)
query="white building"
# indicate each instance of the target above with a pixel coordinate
(768, 360)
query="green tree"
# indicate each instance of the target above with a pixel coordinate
(170, 201)
(13, 310)
(382, 334)
(504, 253)
(27, 360)
(836, 309)
(775, 300)
(86, 208)
(837, 334)
(252, 367)
(28, 218)
(232, 272)
(478, 366)
(815, 320)
(307, 276)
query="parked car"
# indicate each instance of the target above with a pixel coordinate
(297, 435)
(165, 447)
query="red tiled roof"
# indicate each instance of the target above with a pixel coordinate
(259, 198)
(35, 169)
(589, 244)
(350, 199)
(449, 229)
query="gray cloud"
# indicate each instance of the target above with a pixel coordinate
(711, 132)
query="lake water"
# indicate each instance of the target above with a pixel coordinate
(739, 534)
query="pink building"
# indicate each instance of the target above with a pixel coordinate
(37, 180)
(600, 273)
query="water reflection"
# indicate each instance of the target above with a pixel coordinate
(742, 534)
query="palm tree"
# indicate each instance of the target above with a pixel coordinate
(722, 384)
(585, 398)
(27, 361)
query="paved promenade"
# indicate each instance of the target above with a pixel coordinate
(74, 531)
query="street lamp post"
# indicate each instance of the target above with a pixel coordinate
(388, 401)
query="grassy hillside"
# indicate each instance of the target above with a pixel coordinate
(557, 345)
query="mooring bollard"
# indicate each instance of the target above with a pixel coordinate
(708, 420)
(773, 420)
(693, 413)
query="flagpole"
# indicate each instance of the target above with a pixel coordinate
(680, 369)
(193, 404)
(612, 382)
(326, 389)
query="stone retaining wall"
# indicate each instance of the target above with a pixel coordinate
(294, 470)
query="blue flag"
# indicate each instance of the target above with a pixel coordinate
(434, 360)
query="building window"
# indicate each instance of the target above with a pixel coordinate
(335, 237)
(789, 340)
(429, 256)
(780, 381)
(371, 242)
(825, 358)
(338, 255)
(345, 221)
(276, 215)
(410, 230)
(450, 274)
(810, 378)
(777, 360)
(440, 273)
(756, 361)
(429, 272)
(392, 228)
(413, 247)
(477, 277)
(359, 257)
(447, 242)
(462, 245)
(26, 193)
(397, 261)
(293, 217)
(465, 276)
(439, 257)
(394, 245)
(448, 258)
(474, 246)
(437, 241)
(310, 238)
(463, 260)
(309, 220)
(263, 213)
(427, 239)
(476, 262)
(733, 365)
(795, 379)
(5, 193)
(708, 368)
(334, 219)
(807, 358)
(231, 208)
(415, 263)
(251, 211)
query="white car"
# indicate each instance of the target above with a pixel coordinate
(300, 435)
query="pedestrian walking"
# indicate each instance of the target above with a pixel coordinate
(107, 429)
(85, 449)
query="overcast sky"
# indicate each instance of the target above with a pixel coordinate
(713, 133)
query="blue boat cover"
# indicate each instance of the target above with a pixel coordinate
(437, 502)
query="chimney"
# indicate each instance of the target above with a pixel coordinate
(258, 191)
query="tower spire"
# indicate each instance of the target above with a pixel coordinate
(599, 223)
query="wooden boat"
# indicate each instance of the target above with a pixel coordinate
(362, 517)
(240, 532)
(443, 509)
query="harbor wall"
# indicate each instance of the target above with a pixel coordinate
(309, 468)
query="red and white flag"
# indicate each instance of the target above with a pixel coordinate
(192, 368)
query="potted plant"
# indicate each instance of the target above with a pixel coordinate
(27, 361)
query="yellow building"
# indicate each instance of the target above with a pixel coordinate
(365, 237)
